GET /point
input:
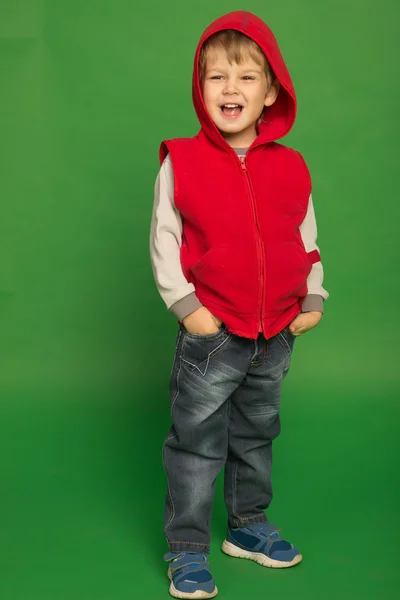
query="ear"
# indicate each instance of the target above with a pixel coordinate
(272, 93)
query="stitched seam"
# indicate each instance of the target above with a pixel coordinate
(177, 390)
(168, 488)
(290, 334)
(255, 350)
(211, 336)
(283, 343)
(175, 351)
(190, 543)
(234, 488)
(259, 362)
(213, 353)
(198, 367)
(177, 374)
(228, 417)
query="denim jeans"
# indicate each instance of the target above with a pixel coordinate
(225, 399)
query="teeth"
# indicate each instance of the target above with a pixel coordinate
(231, 105)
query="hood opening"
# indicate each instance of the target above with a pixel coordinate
(276, 120)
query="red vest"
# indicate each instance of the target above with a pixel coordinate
(241, 244)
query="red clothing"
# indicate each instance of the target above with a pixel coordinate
(241, 245)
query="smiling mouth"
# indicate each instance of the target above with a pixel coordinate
(231, 110)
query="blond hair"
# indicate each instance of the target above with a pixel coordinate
(237, 46)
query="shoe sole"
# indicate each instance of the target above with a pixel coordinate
(199, 595)
(261, 559)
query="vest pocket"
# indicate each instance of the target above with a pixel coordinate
(228, 276)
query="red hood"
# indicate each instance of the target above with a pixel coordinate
(281, 115)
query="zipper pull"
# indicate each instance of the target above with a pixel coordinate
(242, 162)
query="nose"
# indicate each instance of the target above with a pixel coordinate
(230, 88)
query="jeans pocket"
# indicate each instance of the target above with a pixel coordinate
(289, 334)
(198, 350)
(176, 351)
(286, 339)
(206, 336)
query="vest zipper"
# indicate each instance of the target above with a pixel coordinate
(259, 239)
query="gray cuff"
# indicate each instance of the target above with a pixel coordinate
(185, 306)
(313, 302)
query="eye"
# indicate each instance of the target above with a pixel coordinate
(248, 77)
(216, 77)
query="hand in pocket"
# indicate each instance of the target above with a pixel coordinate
(201, 322)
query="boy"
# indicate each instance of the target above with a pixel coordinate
(234, 255)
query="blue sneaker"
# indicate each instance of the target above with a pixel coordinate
(263, 544)
(190, 575)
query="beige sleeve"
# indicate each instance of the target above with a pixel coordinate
(317, 294)
(165, 242)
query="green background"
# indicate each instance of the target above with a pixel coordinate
(89, 88)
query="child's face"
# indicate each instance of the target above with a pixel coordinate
(245, 85)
